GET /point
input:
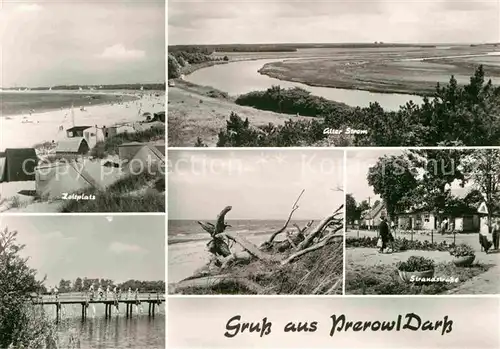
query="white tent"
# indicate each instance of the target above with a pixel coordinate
(54, 180)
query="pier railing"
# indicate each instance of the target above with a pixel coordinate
(109, 299)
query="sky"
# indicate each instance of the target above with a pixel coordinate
(48, 43)
(358, 164)
(113, 247)
(288, 21)
(258, 184)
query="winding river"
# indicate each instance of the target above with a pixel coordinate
(242, 77)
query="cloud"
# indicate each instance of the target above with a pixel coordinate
(29, 8)
(119, 52)
(119, 247)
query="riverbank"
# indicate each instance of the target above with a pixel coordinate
(193, 113)
(389, 77)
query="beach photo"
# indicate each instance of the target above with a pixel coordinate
(255, 222)
(82, 282)
(82, 98)
(423, 221)
(333, 73)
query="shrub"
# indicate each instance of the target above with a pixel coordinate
(462, 250)
(416, 263)
(400, 244)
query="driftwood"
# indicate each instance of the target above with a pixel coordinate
(212, 281)
(295, 207)
(299, 244)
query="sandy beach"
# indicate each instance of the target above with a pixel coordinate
(185, 258)
(20, 131)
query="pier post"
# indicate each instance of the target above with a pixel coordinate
(131, 307)
(83, 311)
(58, 307)
(149, 308)
(127, 308)
(153, 309)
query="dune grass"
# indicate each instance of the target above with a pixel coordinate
(314, 273)
(111, 144)
(144, 192)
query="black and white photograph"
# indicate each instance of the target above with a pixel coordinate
(423, 221)
(82, 93)
(255, 222)
(333, 73)
(82, 282)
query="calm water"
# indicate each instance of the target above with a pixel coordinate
(242, 77)
(14, 103)
(184, 231)
(140, 331)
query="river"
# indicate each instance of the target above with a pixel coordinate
(242, 77)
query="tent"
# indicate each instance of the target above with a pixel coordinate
(18, 165)
(127, 151)
(148, 158)
(73, 146)
(53, 180)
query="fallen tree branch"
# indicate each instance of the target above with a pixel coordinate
(208, 282)
(294, 208)
(332, 289)
(220, 226)
(310, 249)
(251, 248)
(318, 229)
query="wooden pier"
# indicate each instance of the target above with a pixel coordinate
(109, 303)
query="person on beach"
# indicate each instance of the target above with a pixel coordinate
(383, 233)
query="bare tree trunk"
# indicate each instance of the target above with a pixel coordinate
(294, 208)
(318, 229)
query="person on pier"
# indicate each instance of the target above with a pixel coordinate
(100, 292)
(129, 293)
(91, 292)
(108, 291)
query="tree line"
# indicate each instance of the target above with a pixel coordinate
(155, 87)
(83, 284)
(179, 59)
(423, 179)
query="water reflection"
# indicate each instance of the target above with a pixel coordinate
(139, 331)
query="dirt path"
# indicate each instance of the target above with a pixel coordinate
(192, 114)
(485, 283)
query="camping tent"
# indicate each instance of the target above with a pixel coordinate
(53, 180)
(18, 165)
(148, 158)
(72, 146)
